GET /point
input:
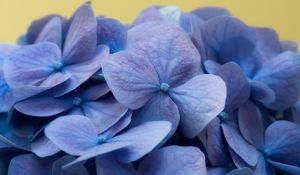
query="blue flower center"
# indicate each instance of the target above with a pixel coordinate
(267, 152)
(223, 116)
(164, 87)
(77, 101)
(58, 67)
(102, 139)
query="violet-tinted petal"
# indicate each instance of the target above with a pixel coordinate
(217, 171)
(76, 170)
(112, 33)
(52, 32)
(282, 74)
(103, 113)
(199, 101)
(73, 134)
(81, 72)
(262, 167)
(174, 160)
(251, 124)
(207, 13)
(237, 160)
(147, 15)
(158, 108)
(262, 92)
(216, 148)
(81, 39)
(243, 149)
(108, 165)
(282, 142)
(211, 66)
(29, 164)
(241, 171)
(169, 50)
(132, 79)
(43, 105)
(143, 138)
(95, 92)
(268, 43)
(289, 46)
(238, 89)
(43, 147)
(291, 169)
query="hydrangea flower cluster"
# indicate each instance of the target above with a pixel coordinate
(173, 93)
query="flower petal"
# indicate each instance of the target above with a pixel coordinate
(95, 92)
(58, 170)
(262, 92)
(241, 171)
(6, 100)
(282, 74)
(243, 149)
(238, 89)
(112, 33)
(289, 46)
(73, 134)
(174, 160)
(199, 101)
(81, 39)
(207, 13)
(43, 147)
(139, 137)
(285, 167)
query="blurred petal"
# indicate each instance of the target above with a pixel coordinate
(262, 92)
(43, 147)
(282, 142)
(29, 164)
(112, 33)
(108, 165)
(211, 66)
(6, 94)
(52, 32)
(73, 134)
(169, 50)
(289, 46)
(285, 167)
(207, 13)
(282, 74)
(174, 160)
(251, 124)
(199, 101)
(81, 39)
(296, 113)
(238, 89)
(139, 137)
(262, 167)
(132, 79)
(76, 170)
(241, 171)
(246, 151)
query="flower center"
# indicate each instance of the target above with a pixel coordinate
(267, 152)
(102, 139)
(223, 116)
(58, 67)
(77, 101)
(164, 87)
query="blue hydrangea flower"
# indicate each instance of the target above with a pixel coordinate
(159, 71)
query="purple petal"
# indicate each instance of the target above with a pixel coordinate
(282, 74)
(268, 43)
(241, 171)
(43, 147)
(285, 167)
(132, 79)
(81, 39)
(43, 105)
(199, 101)
(289, 46)
(237, 160)
(82, 72)
(147, 15)
(108, 165)
(251, 124)
(73, 134)
(104, 113)
(211, 66)
(238, 89)
(243, 149)
(282, 142)
(29, 164)
(262, 92)
(76, 170)
(95, 92)
(174, 160)
(52, 32)
(143, 138)
(112, 33)
(158, 108)
(262, 167)
(168, 48)
(207, 13)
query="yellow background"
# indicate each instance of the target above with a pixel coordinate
(283, 15)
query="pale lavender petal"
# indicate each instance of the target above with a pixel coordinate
(108, 165)
(207, 13)
(147, 15)
(174, 160)
(43, 147)
(143, 138)
(243, 149)
(199, 101)
(95, 92)
(73, 134)
(211, 66)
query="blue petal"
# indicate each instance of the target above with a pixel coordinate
(108, 165)
(77, 170)
(207, 13)
(43, 147)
